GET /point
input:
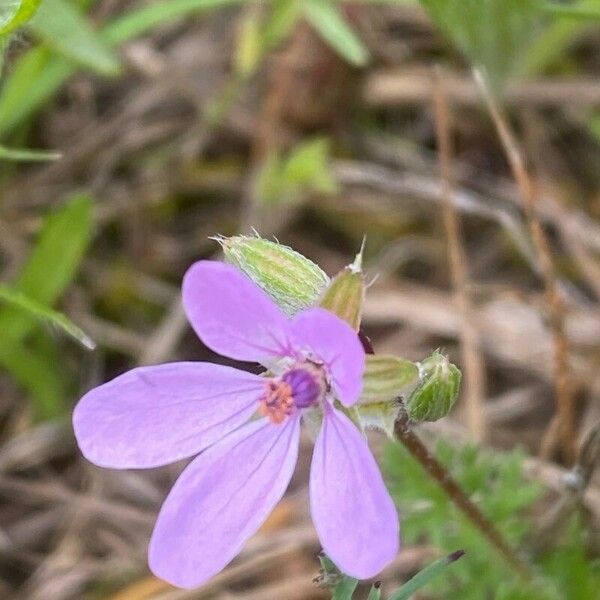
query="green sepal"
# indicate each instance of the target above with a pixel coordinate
(291, 279)
(437, 391)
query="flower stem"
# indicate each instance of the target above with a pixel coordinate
(438, 472)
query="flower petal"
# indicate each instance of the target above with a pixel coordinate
(232, 315)
(153, 416)
(337, 345)
(352, 511)
(220, 500)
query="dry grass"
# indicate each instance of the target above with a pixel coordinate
(164, 183)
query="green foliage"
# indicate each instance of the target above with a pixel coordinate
(64, 29)
(334, 29)
(374, 593)
(43, 313)
(493, 34)
(260, 34)
(343, 587)
(39, 73)
(304, 169)
(423, 577)
(50, 268)
(500, 490)
(570, 566)
(495, 481)
(27, 155)
(551, 45)
(15, 13)
(573, 10)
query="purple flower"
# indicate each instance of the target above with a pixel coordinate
(152, 416)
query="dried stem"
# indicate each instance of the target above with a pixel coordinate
(556, 307)
(439, 473)
(473, 366)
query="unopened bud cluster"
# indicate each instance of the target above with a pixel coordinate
(429, 388)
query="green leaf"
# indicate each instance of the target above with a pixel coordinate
(493, 34)
(51, 266)
(553, 42)
(261, 33)
(305, 169)
(140, 20)
(42, 312)
(495, 481)
(342, 586)
(573, 11)
(64, 29)
(307, 166)
(284, 15)
(424, 576)
(333, 28)
(38, 377)
(27, 155)
(37, 75)
(374, 593)
(14, 13)
(248, 52)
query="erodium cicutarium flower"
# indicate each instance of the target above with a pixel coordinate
(152, 416)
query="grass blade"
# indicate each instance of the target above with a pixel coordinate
(493, 34)
(42, 312)
(39, 377)
(15, 13)
(572, 11)
(64, 29)
(140, 20)
(51, 266)
(27, 155)
(334, 29)
(37, 76)
(424, 576)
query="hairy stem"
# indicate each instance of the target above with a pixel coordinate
(438, 472)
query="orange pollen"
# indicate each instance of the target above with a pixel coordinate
(278, 402)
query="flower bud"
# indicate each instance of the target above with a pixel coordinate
(293, 281)
(437, 391)
(387, 377)
(345, 295)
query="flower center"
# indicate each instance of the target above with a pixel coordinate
(299, 387)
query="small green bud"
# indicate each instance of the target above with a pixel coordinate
(387, 377)
(436, 394)
(345, 295)
(293, 281)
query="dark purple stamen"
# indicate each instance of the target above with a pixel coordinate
(305, 388)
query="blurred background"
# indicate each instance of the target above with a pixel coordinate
(132, 131)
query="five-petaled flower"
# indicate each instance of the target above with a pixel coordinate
(152, 416)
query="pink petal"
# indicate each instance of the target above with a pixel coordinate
(220, 500)
(152, 416)
(353, 513)
(232, 315)
(335, 343)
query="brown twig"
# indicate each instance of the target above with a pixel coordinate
(438, 472)
(555, 302)
(473, 366)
